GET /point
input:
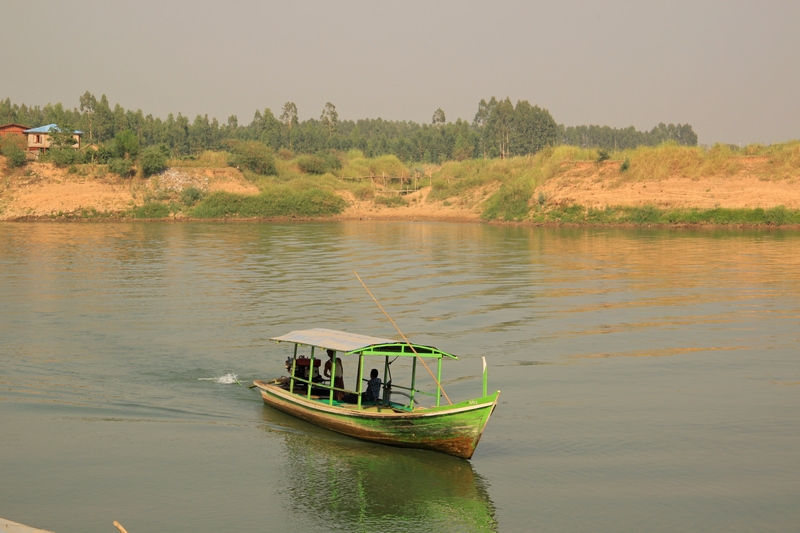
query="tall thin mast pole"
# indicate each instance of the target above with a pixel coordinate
(404, 338)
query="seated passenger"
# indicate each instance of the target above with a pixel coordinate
(373, 392)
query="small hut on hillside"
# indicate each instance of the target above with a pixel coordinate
(13, 129)
(39, 138)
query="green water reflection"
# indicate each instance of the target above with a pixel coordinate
(341, 484)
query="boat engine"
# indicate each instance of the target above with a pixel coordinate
(301, 368)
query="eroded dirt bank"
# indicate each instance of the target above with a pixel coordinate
(42, 191)
(598, 186)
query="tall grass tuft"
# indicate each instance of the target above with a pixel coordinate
(356, 165)
(671, 160)
(784, 159)
(510, 202)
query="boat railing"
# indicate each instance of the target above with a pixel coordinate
(416, 391)
(411, 394)
(307, 385)
(310, 383)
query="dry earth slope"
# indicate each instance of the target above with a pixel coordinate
(40, 190)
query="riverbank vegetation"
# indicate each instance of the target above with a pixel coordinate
(513, 189)
(649, 215)
(523, 189)
(512, 163)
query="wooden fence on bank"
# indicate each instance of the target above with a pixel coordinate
(400, 185)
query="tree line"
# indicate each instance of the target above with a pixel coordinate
(499, 129)
(621, 138)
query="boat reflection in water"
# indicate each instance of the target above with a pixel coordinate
(335, 483)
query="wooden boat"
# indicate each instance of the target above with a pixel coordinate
(396, 418)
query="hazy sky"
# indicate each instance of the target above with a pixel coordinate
(730, 69)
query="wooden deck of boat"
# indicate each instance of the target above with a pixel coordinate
(8, 526)
(370, 408)
(324, 400)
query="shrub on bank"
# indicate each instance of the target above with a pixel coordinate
(63, 157)
(319, 163)
(153, 160)
(191, 195)
(151, 210)
(13, 147)
(254, 156)
(311, 164)
(276, 201)
(121, 167)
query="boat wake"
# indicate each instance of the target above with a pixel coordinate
(228, 379)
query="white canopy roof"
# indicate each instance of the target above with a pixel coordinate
(341, 341)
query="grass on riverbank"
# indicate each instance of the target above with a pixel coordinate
(695, 162)
(650, 215)
(505, 189)
(517, 179)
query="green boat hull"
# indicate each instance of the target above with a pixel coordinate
(453, 429)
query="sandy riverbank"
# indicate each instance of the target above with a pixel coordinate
(42, 191)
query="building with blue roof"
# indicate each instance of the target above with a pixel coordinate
(39, 138)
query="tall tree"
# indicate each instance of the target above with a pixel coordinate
(103, 120)
(120, 119)
(534, 129)
(289, 120)
(88, 103)
(481, 120)
(438, 118)
(466, 140)
(500, 127)
(270, 131)
(329, 118)
(200, 135)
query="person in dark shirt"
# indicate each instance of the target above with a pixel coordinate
(373, 392)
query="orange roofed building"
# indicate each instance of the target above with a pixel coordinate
(13, 129)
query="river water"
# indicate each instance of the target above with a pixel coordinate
(650, 377)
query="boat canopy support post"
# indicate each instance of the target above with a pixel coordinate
(485, 377)
(413, 381)
(294, 367)
(385, 379)
(333, 380)
(439, 381)
(360, 381)
(311, 373)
